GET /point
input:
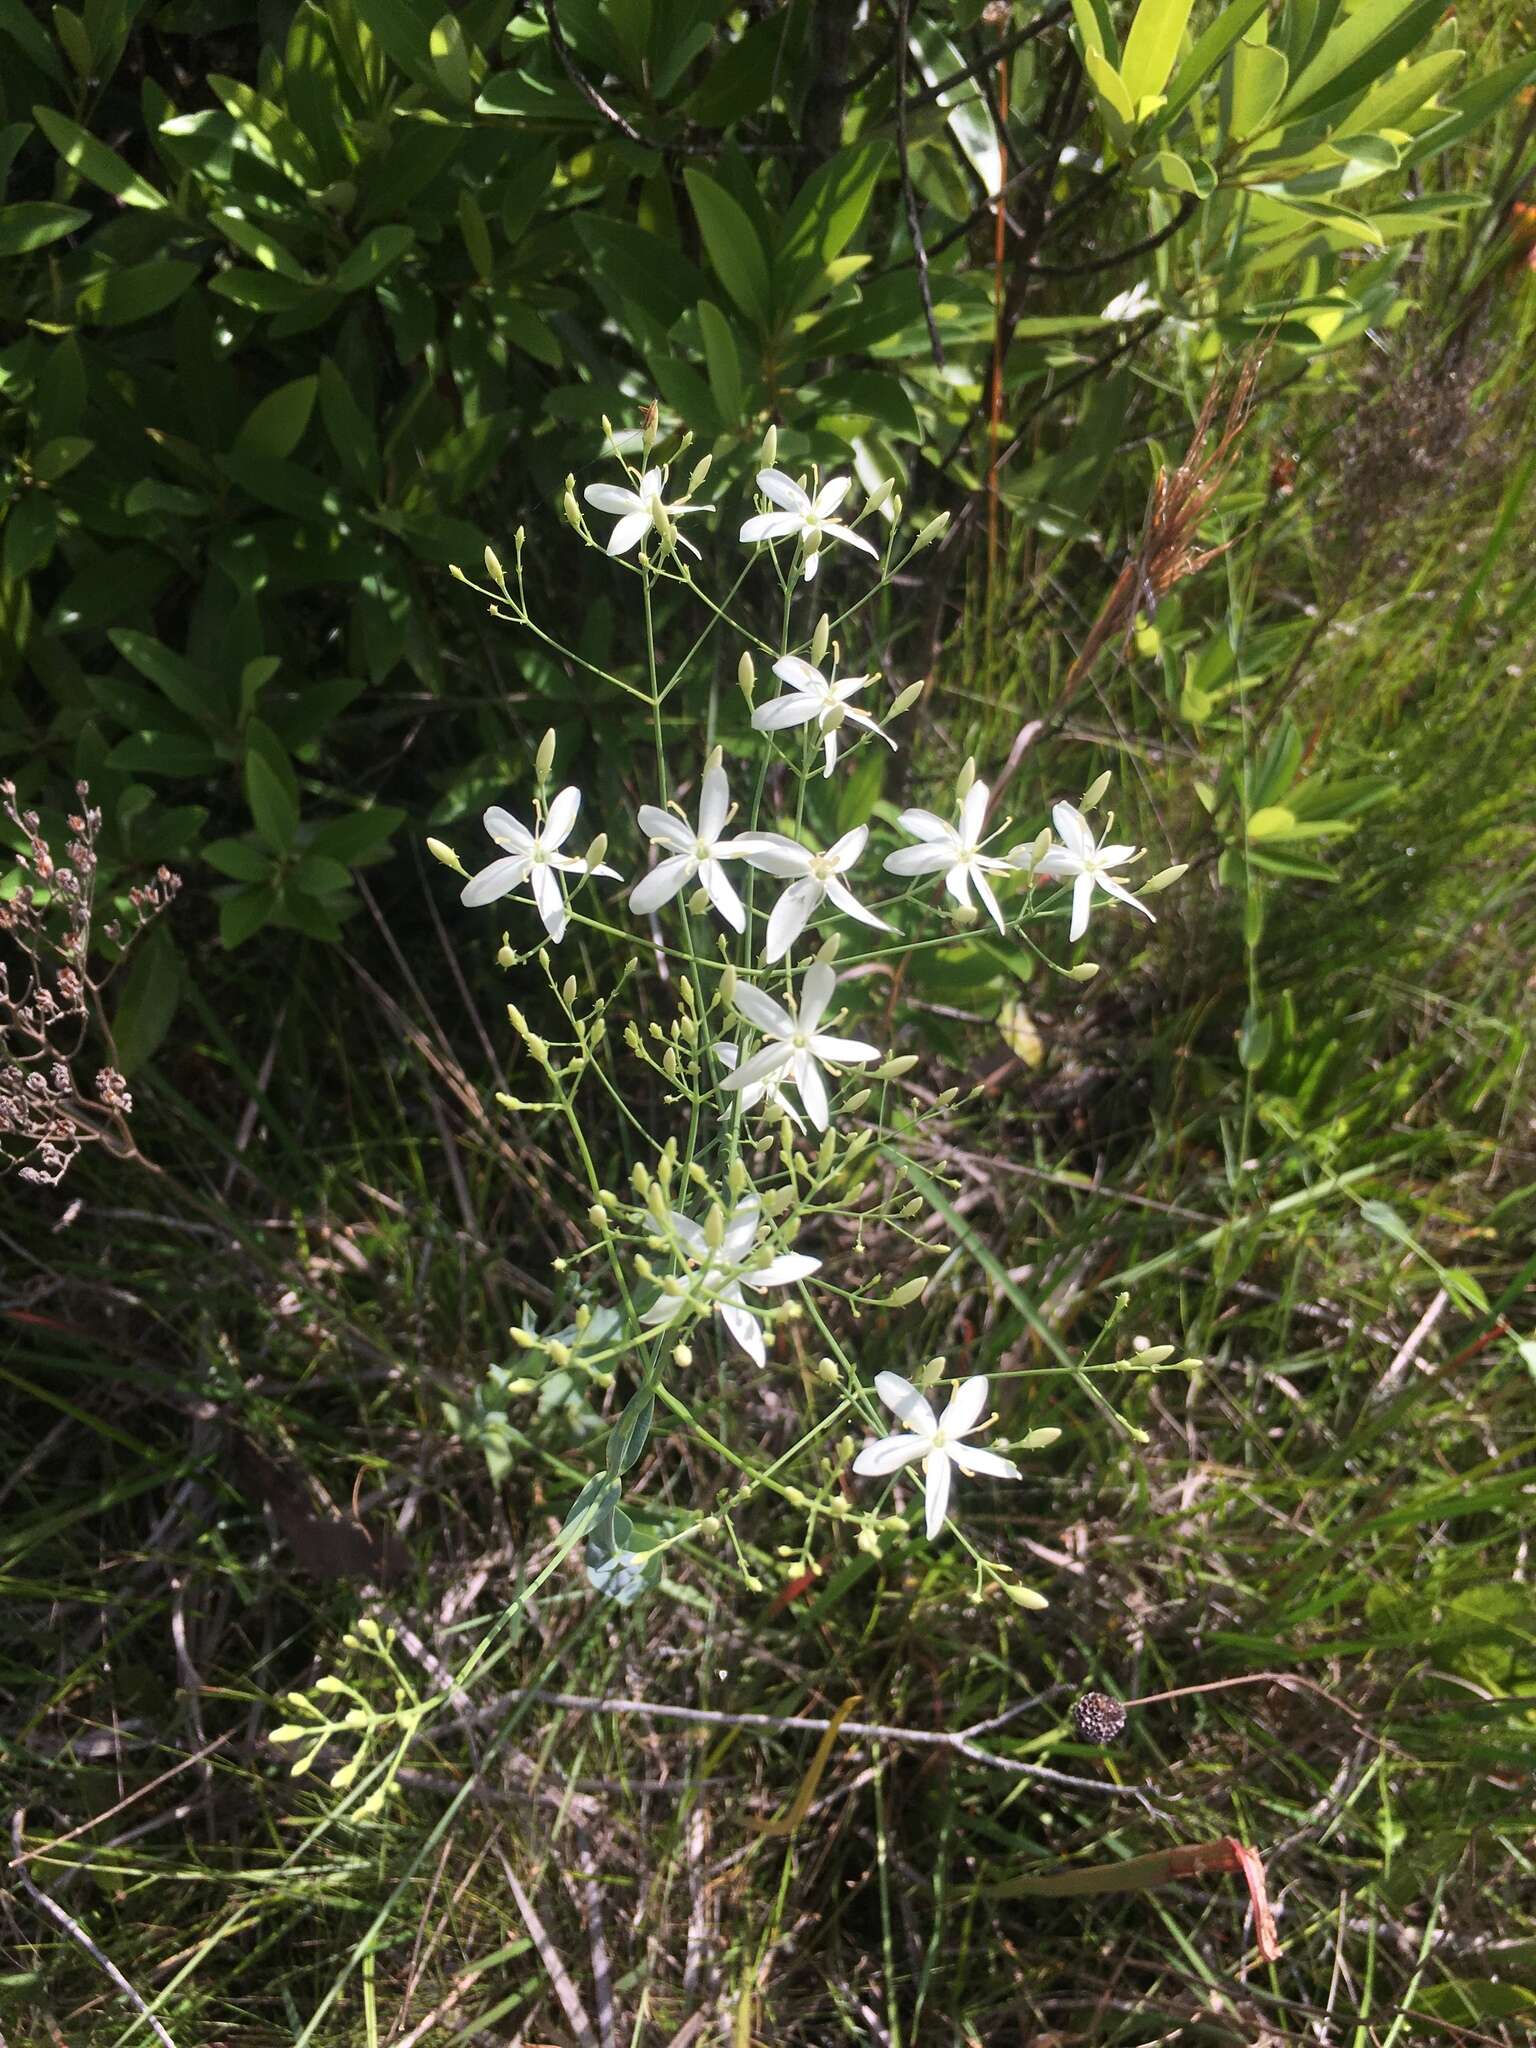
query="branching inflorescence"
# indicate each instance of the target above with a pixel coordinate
(789, 1098)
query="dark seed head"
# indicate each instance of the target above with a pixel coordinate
(1098, 1718)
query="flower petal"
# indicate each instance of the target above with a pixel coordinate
(766, 1064)
(831, 495)
(844, 1052)
(919, 860)
(907, 1403)
(1082, 899)
(790, 709)
(714, 803)
(661, 884)
(499, 879)
(791, 915)
(666, 830)
(839, 894)
(1073, 829)
(634, 526)
(759, 1008)
(774, 853)
(717, 886)
(789, 668)
(971, 1458)
(813, 1090)
(937, 1491)
(924, 825)
(973, 813)
(506, 831)
(746, 1329)
(780, 489)
(984, 891)
(561, 820)
(965, 1406)
(783, 1271)
(612, 498)
(888, 1454)
(815, 993)
(769, 526)
(550, 898)
(838, 531)
(1123, 895)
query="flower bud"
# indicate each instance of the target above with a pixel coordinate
(770, 451)
(1028, 858)
(819, 639)
(728, 985)
(736, 1179)
(544, 759)
(571, 509)
(931, 532)
(656, 1201)
(1164, 878)
(746, 677)
(597, 1216)
(568, 990)
(907, 1293)
(881, 495)
(1026, 1597)
(828, 950)
(1094, 793)
(640, 1179)
(505, 956)
(669, 1063)
(907, 698)
(700, 471)
(1086, 972)
(965, 778)
(493, 570)
(596, 852)
(714, 1227)
(446, 855)
(931, 1371)
(893, 1070)
(827, 1371)
(559, 1354)
(525, 1340)
(868, 1542)
(1039, 1439)
(852, 1107)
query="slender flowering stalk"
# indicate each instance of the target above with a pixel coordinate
(1086, 863)
(939, 1441)
(716, 1274)
(813, 878)
(642, 512)
(534, 858)
(809, 695)
(693, 852)
(804, 518)
(796, 1043)
(953, 850)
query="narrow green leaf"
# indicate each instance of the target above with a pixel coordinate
(273, 809)
(275, 427)
(149, 999)
(1363, 48)
(377, 252)
(722, 360)
(1152, 46)
(1210, 48)
(736, 256)
(93, 160)
(243, 914)
(34, 223)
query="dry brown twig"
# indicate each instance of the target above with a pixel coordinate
(50, 999)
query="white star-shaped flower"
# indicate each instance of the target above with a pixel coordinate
(954, 849)
(641, 512)
(716, 1274)
(813, 877)
(693, 852)
(755, 1092)
(795, 1044)
(807, 695)
(802, 517)
(1130, 305)
(1087, 863)
(534, 858)
(937, 1440)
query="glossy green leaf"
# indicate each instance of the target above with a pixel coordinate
(148, 1001)
(1254, 79)
(1152, 46)
(275, 427)
(349, 429)
(241, 859)
(379, 250)
(242, 915)
(93, 160)
(450, 59)
(1358, 51)
(723, 361)
(191, 689)
(34, 223)
(730, 240)
(138, 292)
(273, 809)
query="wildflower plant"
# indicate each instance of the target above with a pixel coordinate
(733, 1214)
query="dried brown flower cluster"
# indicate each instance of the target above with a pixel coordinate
(48, 998)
